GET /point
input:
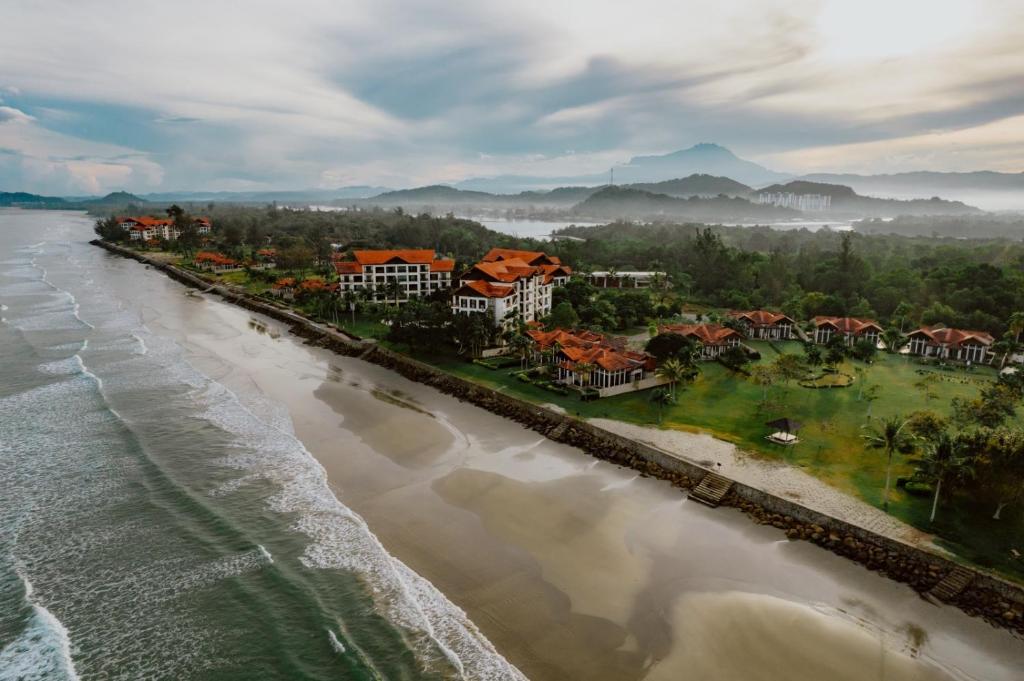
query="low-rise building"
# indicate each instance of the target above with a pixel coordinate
(850, 329)
(144, 227)
(215, 262)
(394, 276)
(590, 360)
(765, 325)
(713, 339)
(951, 344)
(628, 279)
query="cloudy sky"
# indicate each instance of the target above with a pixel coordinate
(98, 95)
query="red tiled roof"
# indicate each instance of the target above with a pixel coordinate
(215, 258)
(442, 266)
(410, 256)
(529, 257)
(708, 334)
(761, 317)
(592, 348)
(266, 252)
(287, 282)
(504, 270)
(347, 267)
(848, 324)
(954, 337)
(485, 289)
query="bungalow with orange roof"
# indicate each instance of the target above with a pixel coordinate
(765, 325)
(713, 339)
(215, 262)
(850, 329)
(590, 360)
(417, 272)
(951, 344)
(285, 288)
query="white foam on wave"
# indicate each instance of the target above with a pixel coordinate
(266, 554)
(441, 634)
(42, 651)
(337, 645)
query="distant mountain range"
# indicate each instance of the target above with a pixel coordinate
(847, 202)
(26, 200)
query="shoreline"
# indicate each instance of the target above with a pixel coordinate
(998, 601)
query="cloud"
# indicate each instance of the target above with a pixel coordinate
(407, 91)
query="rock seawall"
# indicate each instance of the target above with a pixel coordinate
(998, 601)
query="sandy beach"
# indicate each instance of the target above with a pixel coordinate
(575, 568)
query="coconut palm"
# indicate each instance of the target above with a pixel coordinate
(944, 461)
(894, 339)
(661, 397)
(584, 370)
(673, 371)
(1016, 324)
(521, 344)
(889, 436)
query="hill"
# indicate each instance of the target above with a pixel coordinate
(26, 200)
(846, 201)
(623, 202)
(988, 189)
(699, 184)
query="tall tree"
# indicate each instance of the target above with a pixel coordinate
(944, 462)
(890, 437)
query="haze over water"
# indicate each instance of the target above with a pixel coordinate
(183, 488)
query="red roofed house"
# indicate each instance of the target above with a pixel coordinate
(551, 265)
(417, 272)
(590, 360)
(714, 339)
(765, 325)
(956, 344)
(215, 262)
(850, 329)
(506, 289)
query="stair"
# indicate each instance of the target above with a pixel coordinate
(952, 585)
(711, 490)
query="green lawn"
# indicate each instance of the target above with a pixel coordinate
(831, 448)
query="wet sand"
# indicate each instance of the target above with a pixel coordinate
(574, 568)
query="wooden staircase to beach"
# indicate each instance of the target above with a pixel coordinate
(952, 585)
(711, 490)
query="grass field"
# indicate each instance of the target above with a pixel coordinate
(831, 447)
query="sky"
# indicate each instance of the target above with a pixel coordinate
(101, 95)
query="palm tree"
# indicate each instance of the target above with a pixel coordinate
(521, 344)
(1016, 324)
(673, 371)
(584, 371)
(890, 437)
(661, 397)
(1006, 347)
(944, 461)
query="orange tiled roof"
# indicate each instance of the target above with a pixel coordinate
(529, 257)
(591, 348)
(848, 324)
(287, 282)
(708, 334)
(442, 266)
(761, 317)
(347, 267)
(485, 289)
(409, 256)
(505, 270)
(215, 258)
(954, 337)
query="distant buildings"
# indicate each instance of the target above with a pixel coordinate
(394, 275)
(766, 325)
(628, 279)
(809, 202)
(215, 262)
(955, 344)
(850, 329)
(713, 339)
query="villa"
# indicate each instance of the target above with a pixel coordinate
(416, 272)
(551, 265)
(713, 339)
(145, 228)
(590, 360)
(766, 325)
(951, 344)
(216, 262)
(506, 289)
(850, 329)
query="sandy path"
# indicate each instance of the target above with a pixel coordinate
(774, 477)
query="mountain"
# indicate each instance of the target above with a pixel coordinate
(26, 200)
(115, 199)
(612, 203)
(297, 196)
(701, 159)
(846, 201)
(705, 158)
(988, 189)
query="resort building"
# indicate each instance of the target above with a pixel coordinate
(850, 329)
(813, 202)
(766, 325)
(215, 262)
(145, 228)
(628, 279)
(551, 265)
(590, 360)
(394, 276)
(951, 344)
(713, 339)
(507, 289)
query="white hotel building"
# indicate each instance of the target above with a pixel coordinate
(417, 273)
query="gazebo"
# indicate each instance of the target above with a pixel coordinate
(785, 431)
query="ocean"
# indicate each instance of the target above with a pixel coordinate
(154, 524)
